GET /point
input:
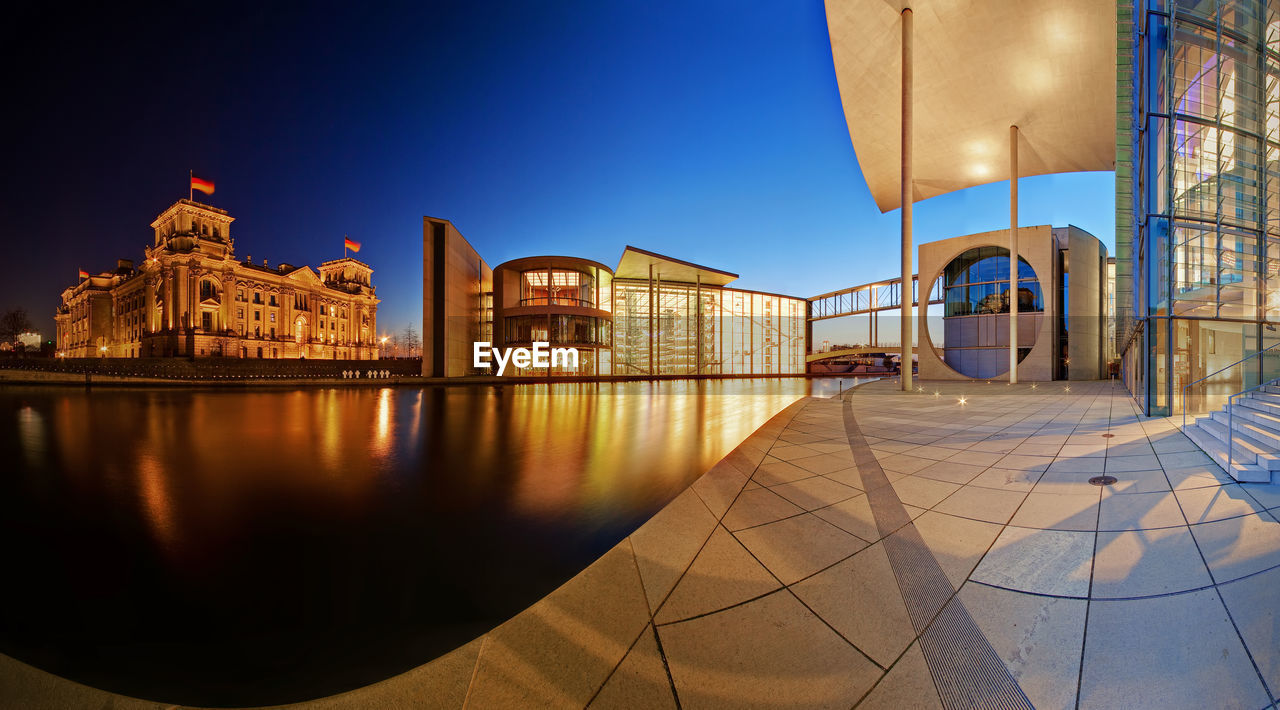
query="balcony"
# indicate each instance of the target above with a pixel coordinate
(557, 301)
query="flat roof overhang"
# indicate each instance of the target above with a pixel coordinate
(635, 264)
(1046, 66)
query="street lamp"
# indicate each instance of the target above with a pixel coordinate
(103, 350)
(383, 353)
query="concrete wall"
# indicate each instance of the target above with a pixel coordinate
(454, 280)
(1036, 245)
(1087, 304)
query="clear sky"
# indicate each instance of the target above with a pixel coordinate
(710, 131)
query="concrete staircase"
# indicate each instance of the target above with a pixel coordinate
(1256, 425)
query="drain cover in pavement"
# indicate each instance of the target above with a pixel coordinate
(1102, 480)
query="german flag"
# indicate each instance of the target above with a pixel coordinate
(84, 274)
(205, 186)
(353, 246)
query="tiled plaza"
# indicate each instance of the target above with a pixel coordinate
(899, 551)
(928, 553)
(889, 550)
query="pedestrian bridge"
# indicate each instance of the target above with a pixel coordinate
(860, 350)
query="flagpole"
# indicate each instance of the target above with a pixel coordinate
(344, 246)
(190, 189)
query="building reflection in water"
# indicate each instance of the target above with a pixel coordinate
(259, 547)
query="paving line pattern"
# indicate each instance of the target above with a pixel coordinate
(966, 670)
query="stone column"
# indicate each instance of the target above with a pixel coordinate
(1013, 254)
(166, 315)
(149, 305)
(180, 300)
(286, 317)
(908, 196)
(228, 301)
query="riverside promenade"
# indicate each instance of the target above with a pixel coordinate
(938, 549)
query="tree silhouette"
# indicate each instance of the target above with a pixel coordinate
(13, 323)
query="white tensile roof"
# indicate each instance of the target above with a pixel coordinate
(1047, 66)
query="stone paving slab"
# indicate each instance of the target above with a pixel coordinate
(790, 575)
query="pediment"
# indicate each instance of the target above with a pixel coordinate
(305, 275)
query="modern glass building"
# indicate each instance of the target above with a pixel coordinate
(560, 300)
(671, 317)
(1198, 232)
(652, 315)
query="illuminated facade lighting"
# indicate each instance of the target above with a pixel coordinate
(652, 315)
(193, 298)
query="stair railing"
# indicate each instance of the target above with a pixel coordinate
(1229, 398)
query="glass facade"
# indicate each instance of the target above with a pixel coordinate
(671, 328)
(976, 291)
(640, 326)
(564, 302)
(557, 287)
(977, 282)
(575, 330)
(1200, 245)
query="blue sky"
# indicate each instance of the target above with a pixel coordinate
(710, 131)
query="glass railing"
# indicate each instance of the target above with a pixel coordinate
(557, 301)
(1215, 390)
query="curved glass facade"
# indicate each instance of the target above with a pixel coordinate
(558, 287)
(558, 329)
(977, 282)
(976, 293)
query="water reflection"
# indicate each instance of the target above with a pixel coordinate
(261, 547)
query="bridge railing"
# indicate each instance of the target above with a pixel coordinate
(868, 298)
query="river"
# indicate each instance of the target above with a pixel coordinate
(246, 547)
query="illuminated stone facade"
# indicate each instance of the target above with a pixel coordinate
(192, 298)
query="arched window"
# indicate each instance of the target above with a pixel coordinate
(209, 291)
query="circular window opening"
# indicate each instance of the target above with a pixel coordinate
(976, 311)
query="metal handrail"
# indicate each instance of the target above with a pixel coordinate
(1228, 367)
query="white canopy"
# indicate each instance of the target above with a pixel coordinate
(980, 66)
